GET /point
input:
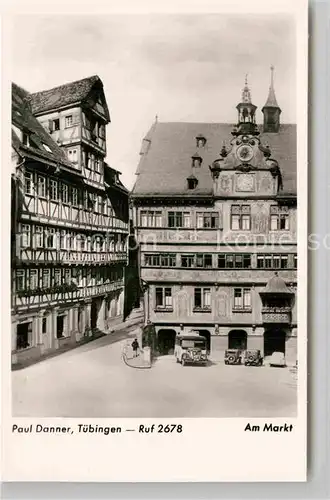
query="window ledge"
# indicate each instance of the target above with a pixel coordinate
(163, 309)
(202, 309)
(246, 310)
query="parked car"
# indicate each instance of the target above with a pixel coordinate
(233, 357)
(252, 357)
(190, 349)
(277, 359)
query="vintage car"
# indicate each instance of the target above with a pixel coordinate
(277, 359)
(190, 349)
(252, 357)
(233, 357)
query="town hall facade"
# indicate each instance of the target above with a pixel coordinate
(215, 211)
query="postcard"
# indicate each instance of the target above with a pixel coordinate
(154, 292)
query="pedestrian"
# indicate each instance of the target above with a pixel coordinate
(135, 346)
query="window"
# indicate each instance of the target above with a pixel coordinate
(200, 141)
(57, 277)
(186, 219)
(33, 279)
(73, 155)
(68, 121)
(202, 298)
(163, 260)
(26, 235)
(39, 237)
(65, 193)
(242, 298)
(204, 260)
(63, 239)
(207, 219)
(234, 261)
(74, 194)
(20, 280)
(47, 148)
(151, 218)
(295, 261)
(97, 165)
(152, 260)
(187, 260)
(241, 217)
(270, 261)
(50, 239)
(44, 325)
(28, 183)
(26, 139)
(168, 260)
(179, 219)
(102, 131)
(41, 186)
(67, 276)
(279, 218)
(53, 190)
(164, 298)
(46, 278)
(54, 125)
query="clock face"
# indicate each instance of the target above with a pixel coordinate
(245, 153)
(245, 182)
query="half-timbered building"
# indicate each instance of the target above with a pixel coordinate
(215, 216)
(69, 220)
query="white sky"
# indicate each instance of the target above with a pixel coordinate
(182, 68)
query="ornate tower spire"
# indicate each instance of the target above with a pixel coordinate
(271, 109)
(246, 113)
(246, 94)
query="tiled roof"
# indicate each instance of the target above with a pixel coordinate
(23, 119)
(164, 168)
(63, 95)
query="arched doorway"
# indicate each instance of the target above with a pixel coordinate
(274, 341)
(166, 341)
(207, 335)
(237, 339)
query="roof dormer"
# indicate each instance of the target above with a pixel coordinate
(196, 160)
(192, 181)
(200, 141)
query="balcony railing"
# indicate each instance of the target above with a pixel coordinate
(71, 256)
(276, 314)
(84, 220)
(52, 296)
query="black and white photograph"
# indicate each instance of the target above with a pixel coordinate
(156, 194)
(154, 217)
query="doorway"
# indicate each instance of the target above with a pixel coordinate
(60, 326)
(166, 341)
(274, 341)
(95, 309)
(24, 333)
(237, 339)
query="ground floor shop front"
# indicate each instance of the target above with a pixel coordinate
(267, 338)
(36, 333)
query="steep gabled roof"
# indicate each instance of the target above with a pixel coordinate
(64, 95)
(164, 168)
(23, 119)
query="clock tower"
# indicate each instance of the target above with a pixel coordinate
(246, 167)
(246, 123)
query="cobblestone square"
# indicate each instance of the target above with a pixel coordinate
(93, 381)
